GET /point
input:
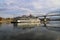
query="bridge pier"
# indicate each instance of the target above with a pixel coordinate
(44, 21)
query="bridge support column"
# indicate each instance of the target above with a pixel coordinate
(45, 20)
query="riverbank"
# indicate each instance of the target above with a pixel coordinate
(5, 21)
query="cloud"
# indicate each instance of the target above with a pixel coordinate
(56, 2)
(35, 7)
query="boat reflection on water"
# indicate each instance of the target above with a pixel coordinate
(26, 25)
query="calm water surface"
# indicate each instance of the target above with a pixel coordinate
(30, 32)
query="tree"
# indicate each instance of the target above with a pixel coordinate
(1, 18)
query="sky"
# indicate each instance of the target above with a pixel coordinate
(13, 8)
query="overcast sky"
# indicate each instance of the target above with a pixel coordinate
(10, 8)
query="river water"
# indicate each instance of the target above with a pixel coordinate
(50, 31)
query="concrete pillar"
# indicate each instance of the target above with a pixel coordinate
(45, 21)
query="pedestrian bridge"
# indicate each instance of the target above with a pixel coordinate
(45, 17)
(48, 15)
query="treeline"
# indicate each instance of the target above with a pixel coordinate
(6, 20)
(1, 18)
